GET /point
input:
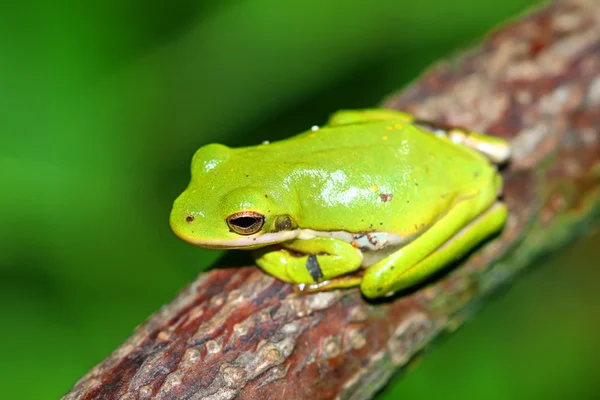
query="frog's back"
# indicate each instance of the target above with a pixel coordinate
(371, 176)
(395, 141)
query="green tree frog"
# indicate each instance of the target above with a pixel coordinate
(375, 198)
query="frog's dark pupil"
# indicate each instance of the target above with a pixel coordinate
(244, 222)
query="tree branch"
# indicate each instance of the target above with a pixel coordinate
(238, 332)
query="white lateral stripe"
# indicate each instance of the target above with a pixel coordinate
(245, 241)
(366, 241)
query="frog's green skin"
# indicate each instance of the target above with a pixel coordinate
(374, 189)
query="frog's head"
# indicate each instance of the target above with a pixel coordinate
(222, 208)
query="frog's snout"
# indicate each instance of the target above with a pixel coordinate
(182, 220)
(185, 225)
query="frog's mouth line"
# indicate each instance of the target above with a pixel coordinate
(364, 241)
(245, 242)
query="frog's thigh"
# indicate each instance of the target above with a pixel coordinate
(496, 150)
(346, 117)
(320, 259)
(417, 260)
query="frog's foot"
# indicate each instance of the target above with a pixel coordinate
(414, 262)
(309, 261)
(342, 282)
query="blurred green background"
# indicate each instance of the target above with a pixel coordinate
(102, 107)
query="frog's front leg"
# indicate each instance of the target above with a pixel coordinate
(442, 244)
(309, 261)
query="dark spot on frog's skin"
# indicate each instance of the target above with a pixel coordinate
(372, 240)
(313, 267)
(407, 201)
(476, 174)
(254, 240)
(381, 223)
(379, 289)
(266, 196)
(385, 197)
(371, 226)
(416, 184)
(283, 224)
(189, 218)
(247, 176)
(359, 236)
(392, 268)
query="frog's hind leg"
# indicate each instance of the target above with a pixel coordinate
(417, 260)
(497, 150)
(348, 117)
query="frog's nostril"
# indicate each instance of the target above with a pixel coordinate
(189, 218)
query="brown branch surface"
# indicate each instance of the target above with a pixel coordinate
(238, 332)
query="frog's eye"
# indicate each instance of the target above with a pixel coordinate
(245, 222)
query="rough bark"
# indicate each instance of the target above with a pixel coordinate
(238, 332)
